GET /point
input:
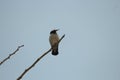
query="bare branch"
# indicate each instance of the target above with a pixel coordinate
(26, 70)
(4, 60)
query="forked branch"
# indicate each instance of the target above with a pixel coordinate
(4, 60)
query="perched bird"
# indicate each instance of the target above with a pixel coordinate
(53, 39)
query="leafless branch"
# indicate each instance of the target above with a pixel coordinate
(4, 60)
(38, 59)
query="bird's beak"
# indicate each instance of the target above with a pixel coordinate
(57, 29)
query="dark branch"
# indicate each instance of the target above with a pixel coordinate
(26, 70)
(11, 55)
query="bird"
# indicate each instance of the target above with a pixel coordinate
(53, 39)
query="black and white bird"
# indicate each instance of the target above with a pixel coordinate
(53, 39)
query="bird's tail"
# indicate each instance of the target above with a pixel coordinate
(55, 52)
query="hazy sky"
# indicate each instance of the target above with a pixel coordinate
(89, 51)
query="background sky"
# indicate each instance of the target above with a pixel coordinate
(89, 51)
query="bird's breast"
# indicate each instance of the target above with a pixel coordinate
(53, 39)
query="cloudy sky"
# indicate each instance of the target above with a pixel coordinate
(89, 51)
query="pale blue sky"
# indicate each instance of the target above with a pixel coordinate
(89, 51)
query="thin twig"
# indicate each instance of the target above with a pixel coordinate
(38, 59)
(4, 60)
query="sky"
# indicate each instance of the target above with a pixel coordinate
(89, 51)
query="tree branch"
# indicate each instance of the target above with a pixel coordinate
(4, 60)
(26, 70)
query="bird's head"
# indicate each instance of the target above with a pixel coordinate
(54, 31)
